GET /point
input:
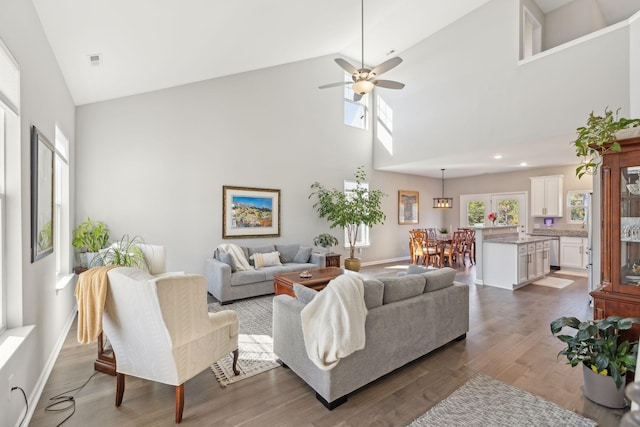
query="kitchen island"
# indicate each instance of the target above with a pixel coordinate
(512, 262)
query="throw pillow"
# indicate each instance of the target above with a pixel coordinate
(266, 260)
(287, 252)
(302, 257)
(304, 294)
(258, 250)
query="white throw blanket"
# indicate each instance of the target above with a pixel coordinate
(333, 322)
(237, 256)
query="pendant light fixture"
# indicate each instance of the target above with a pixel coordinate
(442, 202)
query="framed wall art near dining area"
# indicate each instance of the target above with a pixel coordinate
(250, 212)
(408, 207)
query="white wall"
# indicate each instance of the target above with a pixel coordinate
(474, 97)
(573, 20)
(32, 298)
(154, 165)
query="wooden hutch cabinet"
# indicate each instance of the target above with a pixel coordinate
(619, 291)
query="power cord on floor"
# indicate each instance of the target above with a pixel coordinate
(64, 401)
(26, 402)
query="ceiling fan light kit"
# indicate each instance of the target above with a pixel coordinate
(364, 79)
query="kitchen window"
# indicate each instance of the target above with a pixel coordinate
(577, 206)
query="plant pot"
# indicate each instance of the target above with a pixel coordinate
(90, 259)
(602, 390)
(352, 264)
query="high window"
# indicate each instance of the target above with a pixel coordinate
(384, 124)
(355, 112)
(531, 34)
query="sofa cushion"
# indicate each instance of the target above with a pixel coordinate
(266, 259)
(258, 250)
(373, 293)
(247, 276)
(438, 279)
(304, 294)
(416, 269)
(287, 252)
(303, 255)
(398, 288)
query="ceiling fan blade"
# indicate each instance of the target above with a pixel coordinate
(389, 84)
(334, 85)
(346, 66)
(386, 65)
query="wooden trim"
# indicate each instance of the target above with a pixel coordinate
(179, 402)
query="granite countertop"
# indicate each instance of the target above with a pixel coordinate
(515, 240)
(556, 232)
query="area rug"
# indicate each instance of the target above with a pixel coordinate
(484, 401)
(572, 273)
(553, 282)
(255, 343)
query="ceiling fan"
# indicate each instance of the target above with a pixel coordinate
(364, 79)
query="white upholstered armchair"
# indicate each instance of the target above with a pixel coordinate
(160, 329)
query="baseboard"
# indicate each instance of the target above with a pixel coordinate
(35, 396)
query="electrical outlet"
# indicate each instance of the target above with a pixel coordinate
(12, 379)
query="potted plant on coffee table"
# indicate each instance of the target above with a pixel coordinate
(89, 237)
(604, 358)
(349, 210)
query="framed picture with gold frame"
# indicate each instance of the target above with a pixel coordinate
(250, 212)
(408, 207)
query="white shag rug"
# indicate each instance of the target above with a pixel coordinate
(553, 282)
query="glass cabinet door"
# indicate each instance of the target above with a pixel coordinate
(630, 226)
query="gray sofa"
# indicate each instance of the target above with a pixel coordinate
(227, 285)
(408, 317)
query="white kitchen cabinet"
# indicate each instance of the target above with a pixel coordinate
(573, 252)
(546, 196)
(546, 259)
(523, 264)
(512, 263)
(531, 265)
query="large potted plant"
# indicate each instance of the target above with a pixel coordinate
(605, 359)
(349, 210)
(89, 237)
(598, 136)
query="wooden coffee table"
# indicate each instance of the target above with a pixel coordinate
(283, 283)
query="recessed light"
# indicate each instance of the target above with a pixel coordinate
(497, 156)
(523, 164)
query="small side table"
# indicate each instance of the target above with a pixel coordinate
(332, 260)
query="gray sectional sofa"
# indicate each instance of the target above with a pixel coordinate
(408, 317)
(226, 284)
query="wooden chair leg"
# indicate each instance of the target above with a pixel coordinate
(119, 388)
(235, 362)
(179, 402)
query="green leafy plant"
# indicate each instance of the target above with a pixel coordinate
(125, 252)
(91, 236)
(325, 240)
(443, 230)
(597, 137)
(595, 344)
(349, 209)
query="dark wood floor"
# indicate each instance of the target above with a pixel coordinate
(509, 339)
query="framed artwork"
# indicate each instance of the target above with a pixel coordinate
(408, 207)
(41, 195)
(250, 212)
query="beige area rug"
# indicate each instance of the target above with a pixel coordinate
(255, 343)
(484, 401)
(553, 282)
(572, 273)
